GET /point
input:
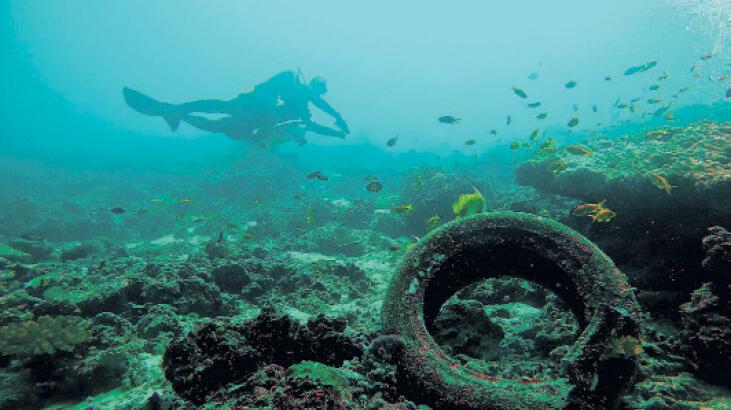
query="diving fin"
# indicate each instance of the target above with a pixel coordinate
(149, 106)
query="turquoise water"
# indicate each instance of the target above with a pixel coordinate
(118, 235)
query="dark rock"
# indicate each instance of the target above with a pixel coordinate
(38, 249)
(231, 277)
(466, 329)
(216, 250)
(80, 251)
(717, 261)
(218, 354)
(706, 318)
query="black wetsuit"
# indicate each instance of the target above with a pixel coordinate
(283, 98)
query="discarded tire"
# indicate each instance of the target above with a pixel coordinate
(599, 366)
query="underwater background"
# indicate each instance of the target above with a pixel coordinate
(146, 268)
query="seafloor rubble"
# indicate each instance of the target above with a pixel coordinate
(287, 315)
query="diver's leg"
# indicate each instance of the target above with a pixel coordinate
(205, 124)
(206, 106)
(228, 125)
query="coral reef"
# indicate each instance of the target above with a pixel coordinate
(665, 186)
(706, 318)
(46, 334)
(175, 285)
(217, 354)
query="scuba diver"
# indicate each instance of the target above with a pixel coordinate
(276, 110)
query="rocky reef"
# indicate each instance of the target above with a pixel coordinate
(666, 186)
(277, 301)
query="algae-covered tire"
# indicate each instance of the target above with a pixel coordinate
(601, 362)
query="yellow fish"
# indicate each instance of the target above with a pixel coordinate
(661, 183)
(433, 221)
(469, 204)
(603, 215)
(579, 150)
(185, 201)
(405, 208)
(587, 209)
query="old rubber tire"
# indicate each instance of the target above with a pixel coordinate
(532, 248)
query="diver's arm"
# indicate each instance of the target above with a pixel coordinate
(323, 130)
(324, 106)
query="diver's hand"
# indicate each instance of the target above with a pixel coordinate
(340, 122)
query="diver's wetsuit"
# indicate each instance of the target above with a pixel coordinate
(283, 98)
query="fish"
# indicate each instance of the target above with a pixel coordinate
(419, 181)
(542, 116)
(607, 78)
(603, 215)
(142, 211)
(594, 108)
(658, 134)
(309, 219)
(654, 87)
(728, 91)
(118, 211)
(706, 56)
(557, 166)
(433, 221)
(469, 204)
(534, 104)
(575, 107)
(520, 93)
(470, 142)
(508, 120)
(597, 211)
(156, 201)
(317, 175)
(247, 237)
(571, 84)
(660, 111)
(404, 208)
(184, 201)
(515, 145)
(579, 150)
(634, 100)
(573, 122)
(654, 100)
(634, 108)
(587, 209)
(661, 183)
(669, 116)
(694, 67)
(374, 186)
(533, 76)
(493, 132)
(665, 75)
(448, 119)
(640, 68)
(535, 134)
(684, 89)
(392, 141)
